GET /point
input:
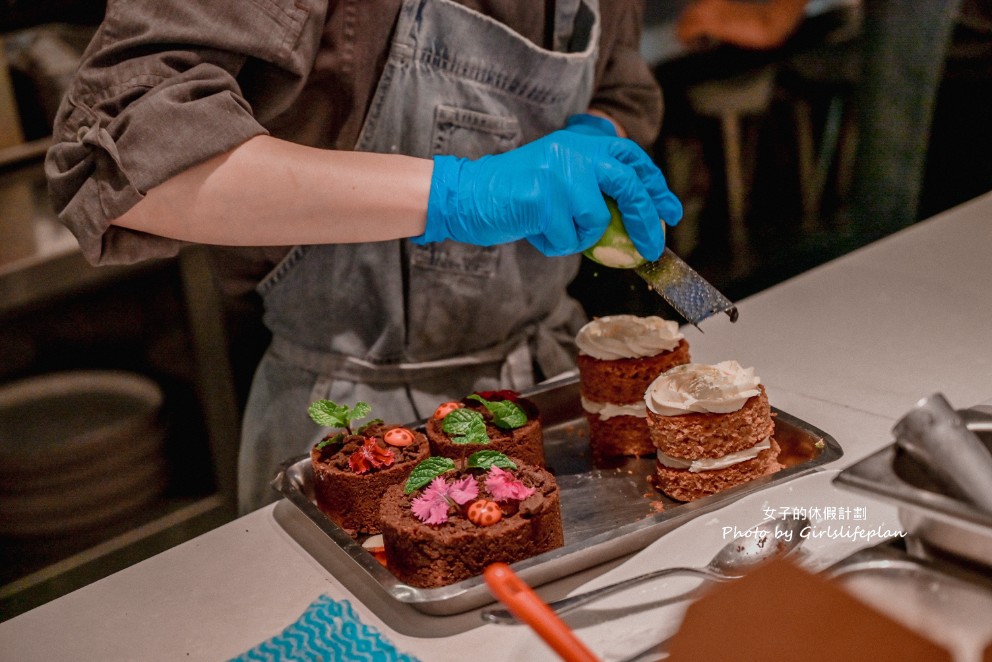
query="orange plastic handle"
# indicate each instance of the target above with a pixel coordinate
(528, 608)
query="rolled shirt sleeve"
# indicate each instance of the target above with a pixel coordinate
(626, 89)
(162, 87)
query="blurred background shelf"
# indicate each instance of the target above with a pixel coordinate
(158, 320)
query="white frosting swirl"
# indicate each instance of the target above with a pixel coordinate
(627, 336)
(607, 410)
(711, 463)
(696, 387)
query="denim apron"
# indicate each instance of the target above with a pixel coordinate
(406, 327)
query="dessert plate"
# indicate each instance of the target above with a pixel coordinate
(607, 513)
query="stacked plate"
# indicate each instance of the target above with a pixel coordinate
(78, 451)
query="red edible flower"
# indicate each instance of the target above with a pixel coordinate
(370, 456)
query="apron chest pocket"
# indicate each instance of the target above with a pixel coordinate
(471, 134)
(450, 257)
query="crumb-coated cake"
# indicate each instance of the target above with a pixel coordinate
(619, 357)
(712, 428)
(455, 517)
(352, 470)
(489, 420)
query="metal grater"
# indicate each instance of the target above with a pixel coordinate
(686, 291)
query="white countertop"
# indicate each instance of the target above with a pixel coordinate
(848, 347)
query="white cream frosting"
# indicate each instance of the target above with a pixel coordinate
(712, 463)
(627, 336)
(697, 387)
(609, 410)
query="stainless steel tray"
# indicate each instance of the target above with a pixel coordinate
(925, 510)
(606, 513)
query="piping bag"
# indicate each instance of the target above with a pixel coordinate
(688, 293)
(529, 608)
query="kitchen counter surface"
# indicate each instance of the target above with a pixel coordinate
(849, 347)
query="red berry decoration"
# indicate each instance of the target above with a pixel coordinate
(484, 512)
(399, 437)
(446, 408)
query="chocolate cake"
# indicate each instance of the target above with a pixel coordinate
(491, 420)
(353, 470)
(712, 428)
(467, 517)
(619, 357)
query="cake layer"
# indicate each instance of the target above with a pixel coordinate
(696, 435)
(623, 381)
(608, 410)
(618, 436)
(711, 463)
(685, 485)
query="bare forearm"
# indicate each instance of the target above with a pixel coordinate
(758, 25)
(269, 192)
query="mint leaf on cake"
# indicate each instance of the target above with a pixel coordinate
(427, 471)
(465, 426)
(332, 415)
(489, 459)
(507, 415)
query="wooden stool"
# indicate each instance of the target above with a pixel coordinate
(825, 76)
(10, 121)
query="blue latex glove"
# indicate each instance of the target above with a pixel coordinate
(550, 191)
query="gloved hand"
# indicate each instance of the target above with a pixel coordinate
(550, 191)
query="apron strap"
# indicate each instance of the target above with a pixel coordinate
(564, 21)
(542, 343)
(350, 368)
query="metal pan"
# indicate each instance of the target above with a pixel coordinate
(925, 510)
(606, 513)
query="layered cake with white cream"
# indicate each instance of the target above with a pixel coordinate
(712, 428)
(619, 356)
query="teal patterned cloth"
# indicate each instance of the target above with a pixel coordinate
(327, 630)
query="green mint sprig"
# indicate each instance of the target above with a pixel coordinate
(427, 471)
(332, 415)
(489, 459)
(507, 415)
(465, 426)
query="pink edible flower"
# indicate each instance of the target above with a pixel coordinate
(464, 490)
(431, 507)
(504, 486)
